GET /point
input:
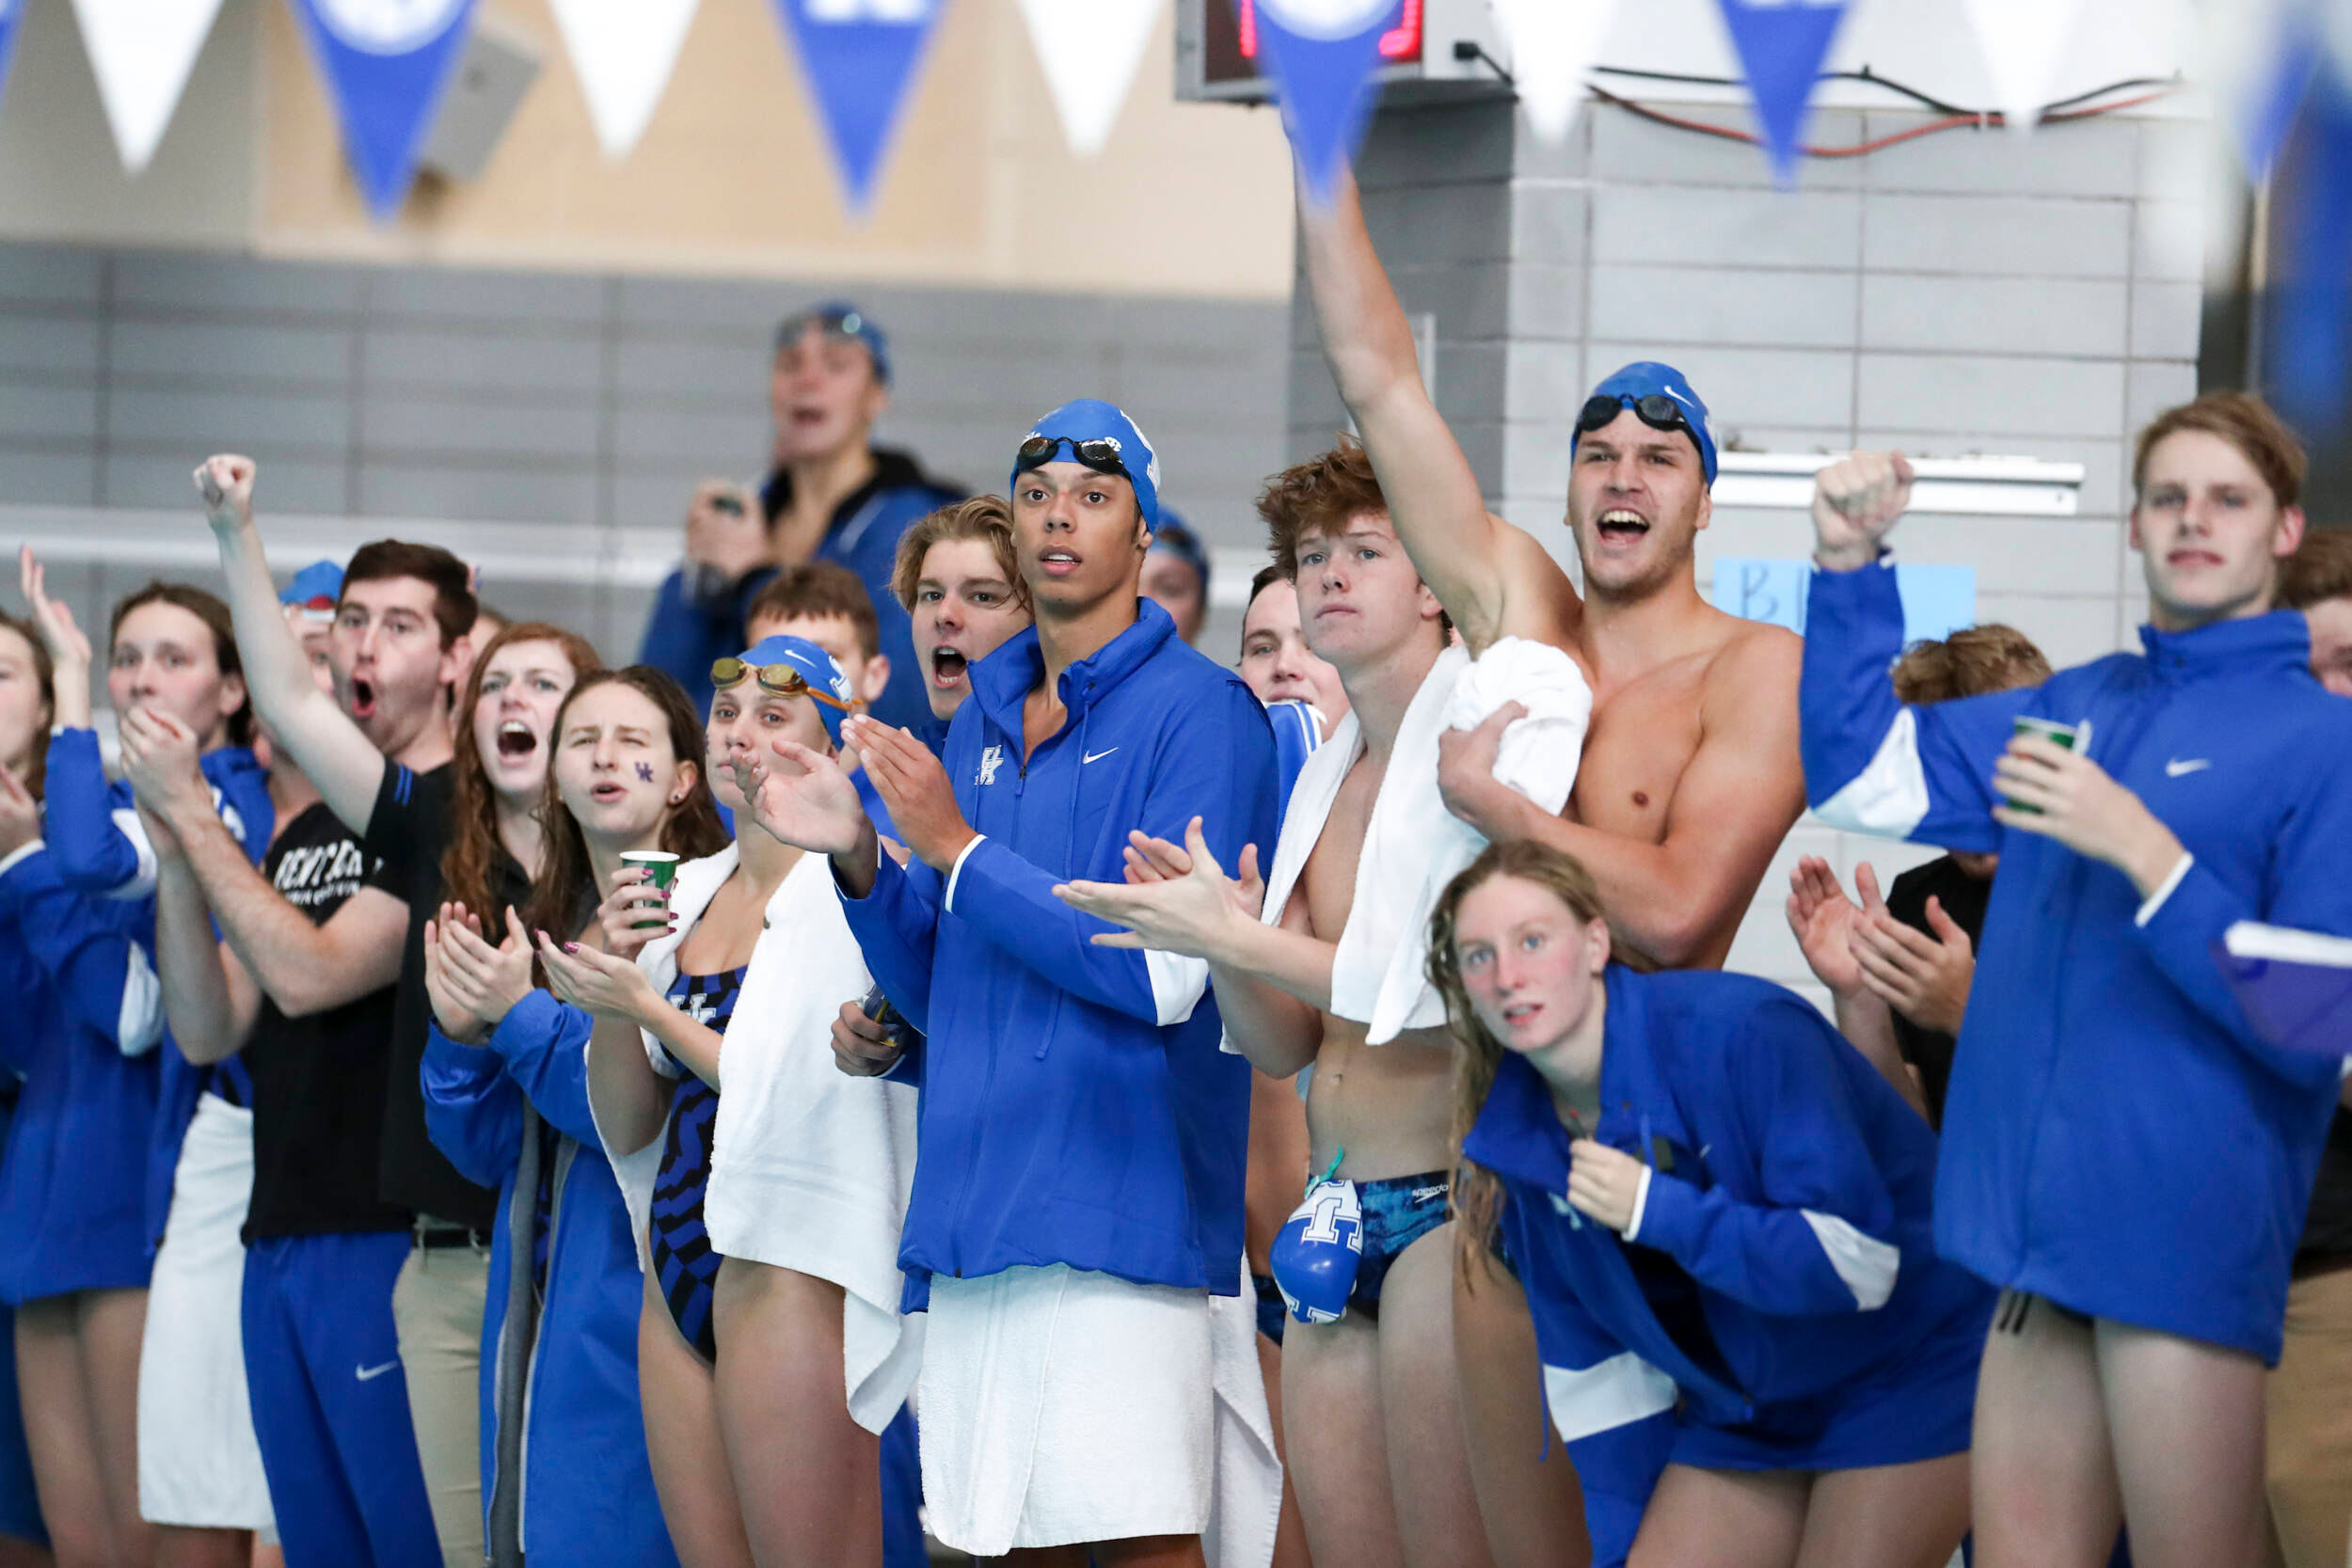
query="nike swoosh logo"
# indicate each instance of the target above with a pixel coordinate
(2175, 767)
(1097, 756)
(368, 1374)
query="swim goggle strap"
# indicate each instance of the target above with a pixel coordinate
(1101, 455)
(782, 680)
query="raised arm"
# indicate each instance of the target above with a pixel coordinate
(303, 720)
(209, 999)
(1494, 579)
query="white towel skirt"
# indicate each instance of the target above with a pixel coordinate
(1062, 1405)
(199, 1463)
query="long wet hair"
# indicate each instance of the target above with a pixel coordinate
(469, 866)
(208, 609)
(565, 893)
(37, 764)
(1477, 1195)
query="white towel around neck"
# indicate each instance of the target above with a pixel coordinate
(1412, 844)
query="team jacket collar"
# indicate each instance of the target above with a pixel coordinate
(2257, 645)
(1518, 1133)
(1003, 681)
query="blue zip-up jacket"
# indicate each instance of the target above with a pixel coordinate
(2101, 1049)
(1075, 1107)
(101, 851)
(686, 634)
(89, 1011)
(588, 1493)
(1788, 1181)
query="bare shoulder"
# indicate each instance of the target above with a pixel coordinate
(1751, 678)
(1541, 601)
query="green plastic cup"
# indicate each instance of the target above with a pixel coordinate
(2067, 735)
(660, 869)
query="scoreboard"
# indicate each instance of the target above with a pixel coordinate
(1431, 50)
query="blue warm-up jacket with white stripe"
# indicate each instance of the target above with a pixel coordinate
(1075, 1107)
(2117, 1137)
(88, 1014)
(588, 1494)
(1780, 1247)
(101, 851)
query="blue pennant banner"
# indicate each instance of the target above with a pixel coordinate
(387, 63)
(10, 10)
(1782, 44)
(1323, 53)
(2310, 327)
(860, 57)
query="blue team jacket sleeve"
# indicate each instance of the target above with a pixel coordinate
(1872, 764)
(473, 1111)
(2183, 926)
(99, 845)
(896, 927)
(684, 635)
(543, 1044)
(1220, 770)
(1820, 1242)
(103, 977)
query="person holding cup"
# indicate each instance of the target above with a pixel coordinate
(506, 1079)
(2122, 1152)
(771, 1355)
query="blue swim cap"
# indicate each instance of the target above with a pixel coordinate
(316, 591)
(1648, 378)
(838, 317)
(1174, 536)
(1317, 1253)
(1093, 420)
(817, 670)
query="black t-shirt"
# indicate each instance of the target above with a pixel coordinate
(1963, 898)
(318, 1082)
(2328, 1229)
(410, 829)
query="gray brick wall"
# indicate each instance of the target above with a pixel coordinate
(1958, 295)
(584, 404)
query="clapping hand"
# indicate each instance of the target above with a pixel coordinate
(161, 764)
(596, 982)
(1825, 919)
(1200, 911)
(914, 788)
(1926, 978)
(478, 984)
(808, 802)
(68, 650)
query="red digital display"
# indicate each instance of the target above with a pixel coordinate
(1400, 44)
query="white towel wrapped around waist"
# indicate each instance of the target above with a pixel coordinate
(1412, 844)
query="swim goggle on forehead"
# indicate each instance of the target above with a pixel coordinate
(1656, 410)
(781, 680)
(1101, 455)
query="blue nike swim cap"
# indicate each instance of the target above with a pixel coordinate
(1093, 420)
(316, 590)
(1648, 379)
(817, 670)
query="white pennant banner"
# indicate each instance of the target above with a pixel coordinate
(1553, 43)
(2023, 43)
(624, 52)
(1091, 50)
(141, 52)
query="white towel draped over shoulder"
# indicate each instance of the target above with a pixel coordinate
(1413, 846)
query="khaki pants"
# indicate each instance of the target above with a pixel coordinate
(436, 1306)
(2311, 1425)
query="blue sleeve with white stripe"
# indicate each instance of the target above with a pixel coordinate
(1872, 764)
(103, 977)
(896, 927)
(85, 825)
(1613, 1410)
(1221, 771)
(1819, 1242)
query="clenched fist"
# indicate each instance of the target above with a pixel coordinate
(1855, 501)
(227, 485)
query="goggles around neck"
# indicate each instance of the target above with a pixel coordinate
(782, 680)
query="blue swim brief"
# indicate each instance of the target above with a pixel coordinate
(1398, 1210)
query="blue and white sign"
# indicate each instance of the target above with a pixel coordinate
(387, 63)
(1937, 600)
(1323, 53)
(1781, 45)
(860, 56)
